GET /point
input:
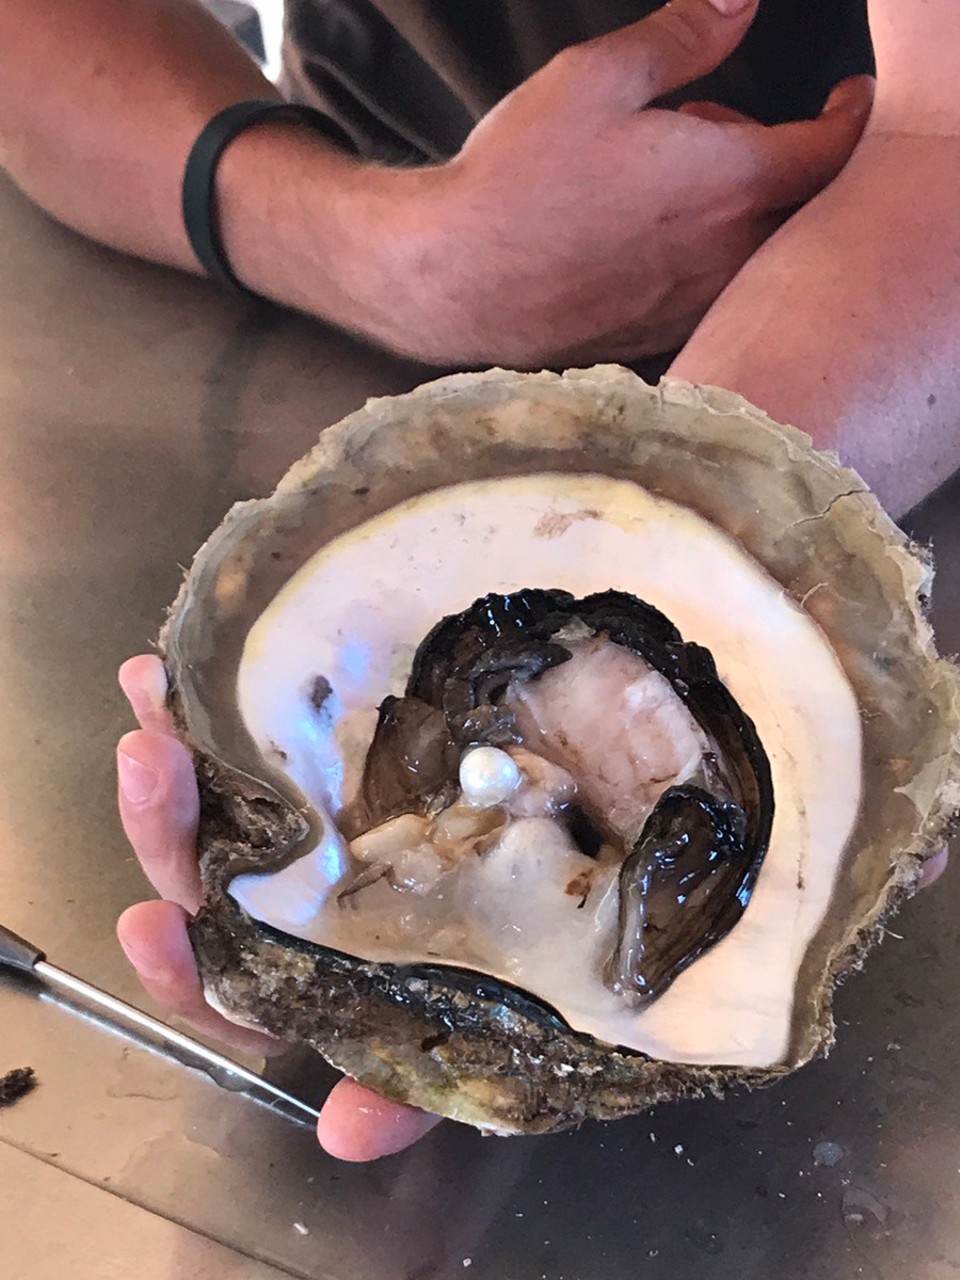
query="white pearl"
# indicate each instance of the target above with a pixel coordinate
(488, 775)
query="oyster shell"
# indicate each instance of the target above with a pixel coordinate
(304, 611)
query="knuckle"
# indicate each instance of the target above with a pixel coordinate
(577, 61)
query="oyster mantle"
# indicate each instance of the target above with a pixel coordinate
(456, 1042)
(689, 844)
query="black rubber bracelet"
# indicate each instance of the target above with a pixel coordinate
(199, 177)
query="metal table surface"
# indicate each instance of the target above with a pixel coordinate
(135, 406)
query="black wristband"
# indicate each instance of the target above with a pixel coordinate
(199, 177)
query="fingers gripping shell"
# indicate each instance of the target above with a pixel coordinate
(690, 467)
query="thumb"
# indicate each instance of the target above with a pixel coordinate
(680, 43)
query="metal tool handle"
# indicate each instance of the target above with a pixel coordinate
(17, 953)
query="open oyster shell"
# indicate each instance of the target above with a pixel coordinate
(302, 612)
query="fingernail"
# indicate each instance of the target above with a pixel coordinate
(145, 686)
(138, 781)
(155, 687)
(730, 8)
(854, 93)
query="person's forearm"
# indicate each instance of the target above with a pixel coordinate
(847, 323)
(100, 103)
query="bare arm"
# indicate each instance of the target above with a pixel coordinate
(100, 103)
(574, 224)
(847, 322)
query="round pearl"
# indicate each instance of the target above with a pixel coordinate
(488, 775)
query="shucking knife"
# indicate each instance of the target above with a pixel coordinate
(17, 953)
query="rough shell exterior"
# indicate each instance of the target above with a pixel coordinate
(446, 1040)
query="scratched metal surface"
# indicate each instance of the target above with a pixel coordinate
(135, 406)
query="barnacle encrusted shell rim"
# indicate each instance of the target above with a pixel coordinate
(455, 1044)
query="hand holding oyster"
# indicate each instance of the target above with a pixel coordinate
(561, 741)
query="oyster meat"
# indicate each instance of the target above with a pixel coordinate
(561, 741)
